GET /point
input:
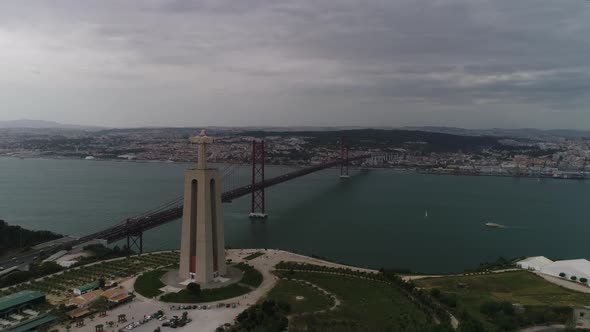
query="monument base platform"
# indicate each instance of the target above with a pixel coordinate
(173, 280)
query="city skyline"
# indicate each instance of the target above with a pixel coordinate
(458, 63)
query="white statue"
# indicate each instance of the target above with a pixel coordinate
(202, 140)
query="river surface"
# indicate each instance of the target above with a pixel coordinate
(375, 218)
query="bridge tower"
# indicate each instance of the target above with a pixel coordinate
(258, 208)
(202, 247)
(344, 158)
(134, 240)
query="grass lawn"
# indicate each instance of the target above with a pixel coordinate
(254, 255)
(366, 306)
(515, 287)
(206, 295)
(149, 283)
(251, 277)
(286, 291)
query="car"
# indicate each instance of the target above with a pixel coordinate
(1, 268)
(227, 305)
(35, 258)
(196, 307)
(166, 324)
(162, 318)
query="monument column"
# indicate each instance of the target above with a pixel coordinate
(202, 247)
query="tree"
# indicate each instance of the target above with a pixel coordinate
(193, 288)
(574, 278)
(584, 280)
(562, 275)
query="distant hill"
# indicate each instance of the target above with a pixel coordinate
(41, 124)
(427, 141)
(520, 132)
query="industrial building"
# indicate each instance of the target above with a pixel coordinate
(17, 302)
(86, 288)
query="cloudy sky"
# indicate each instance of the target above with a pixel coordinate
(467, 63)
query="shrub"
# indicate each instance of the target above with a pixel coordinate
(574, 278)
(193, 288)
(562, 275)
(584, 280)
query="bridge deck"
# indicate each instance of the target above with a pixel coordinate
(173, 210)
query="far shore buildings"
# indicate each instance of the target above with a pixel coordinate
(574, 269)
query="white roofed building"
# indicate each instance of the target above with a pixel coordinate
(534, 263)
(574, 269)
(579, 268)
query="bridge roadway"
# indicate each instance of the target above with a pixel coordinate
(173, 210)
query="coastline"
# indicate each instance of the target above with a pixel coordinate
(397, 169)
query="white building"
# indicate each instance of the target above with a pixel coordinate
(534, 263)
(578, 268)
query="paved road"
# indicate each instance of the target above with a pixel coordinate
(565, 283)
(550, 328)
(24, 259)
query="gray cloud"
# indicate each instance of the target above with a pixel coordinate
(474, 63)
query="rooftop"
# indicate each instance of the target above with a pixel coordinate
(31, 323)
(89, 286)
(19, 298)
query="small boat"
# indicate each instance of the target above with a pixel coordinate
(493, 225)
(425, 214)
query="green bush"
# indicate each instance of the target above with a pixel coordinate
(193, 288)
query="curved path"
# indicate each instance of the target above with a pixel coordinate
(336, 304)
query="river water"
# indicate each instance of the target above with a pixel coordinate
(375, 218)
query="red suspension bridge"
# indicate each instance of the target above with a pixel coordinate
(133, 228)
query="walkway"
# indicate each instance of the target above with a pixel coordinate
(564, 283)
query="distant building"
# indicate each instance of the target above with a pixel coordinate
(114, 296)
(86, 299)
(534, 263)
(36, 323)
(86, 288)
(578, 268)
(17, 302)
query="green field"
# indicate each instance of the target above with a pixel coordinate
(149, 283)
(367, 305)
(514, 287)
(251, 279)
(520, 286)
(62, 283)
(287, 291)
